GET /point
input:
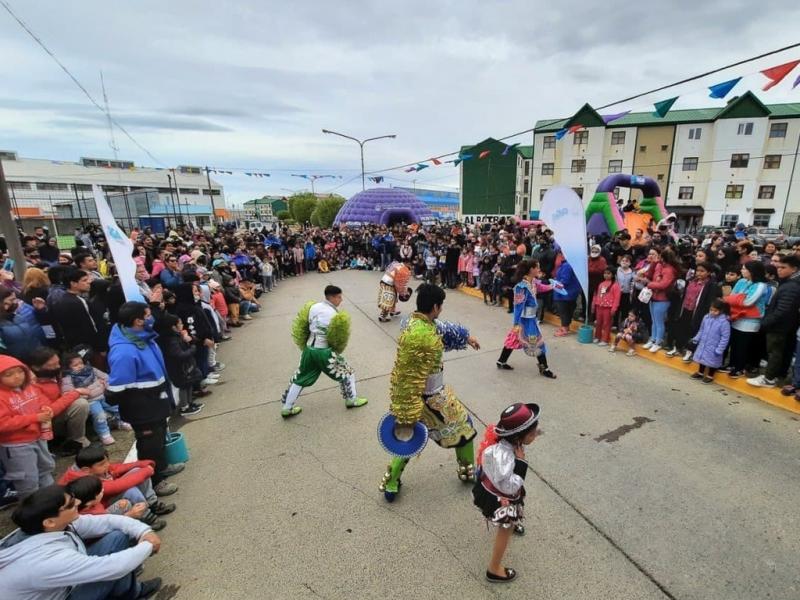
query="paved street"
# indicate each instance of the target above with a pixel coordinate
(646, 485)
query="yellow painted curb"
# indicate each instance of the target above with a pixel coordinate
(769, 395)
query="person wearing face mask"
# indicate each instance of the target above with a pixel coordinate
(190, 311)
(138, 384)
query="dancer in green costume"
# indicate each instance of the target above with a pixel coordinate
(418, 393)
(321, 331)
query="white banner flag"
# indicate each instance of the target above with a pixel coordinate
(563, 212)
(121, 248)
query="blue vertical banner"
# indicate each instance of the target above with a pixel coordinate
(563, 212)
(121, 248)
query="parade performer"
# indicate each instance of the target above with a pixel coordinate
(321, 331)
(525, 334)
(421, 405)
(393, 285)
(499, 491)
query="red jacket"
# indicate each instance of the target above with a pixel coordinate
(219, 304)
(661, 276)
(120, 479)
(609, 299)
(19, 408)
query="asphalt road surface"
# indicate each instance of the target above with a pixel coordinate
(646, 485)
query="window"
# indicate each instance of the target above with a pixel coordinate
(82, 187)
(664, 147)
(778, 130)
(213, 192)
(734, 191)
(729, 220)
(642, 148)
(761, 219)
(745, 129)
(19, 185)
(739, 161)
(695, 133)
(164, 190)
(617, 138)
(686, 192)
(5, 155)
(660, 177)
(190, 191)
(772, 161)
(615, 166)
(527, 168)
(579, 165)
(549, 142)
(542, 192)
(766, 192)
(579, 191)
(580, 137)
(690, 163)
(548, 168)
(52, 187)
(190, 170)
(525, 187)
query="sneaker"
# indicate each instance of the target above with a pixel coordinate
(173, 469)
(395, 313)
(149, 587)
(648, 345)
(631, 352)
(287, 413)
(107, 440)
(735, 374)
(708, 379)
(219, 367)
(673, 352)
(654, 348)
(209, 381)
(191, 409)
(602, 344)
(725, 369)
(788, 390)
(161, 508)
(696, 375)
(9, 499)
(165, 488)
(383, 319)
(687, 358)
(612, 348)
(155, 523)
(596, 341)
(247, 318)
(201, 393)
(355, 402)
(761, 381)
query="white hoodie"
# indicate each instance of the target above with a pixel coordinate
(45, 566)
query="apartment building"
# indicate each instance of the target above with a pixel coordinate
(522, 199)
(715, 166)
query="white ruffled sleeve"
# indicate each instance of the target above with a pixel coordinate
(498, 466)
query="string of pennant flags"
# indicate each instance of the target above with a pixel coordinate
(775, 75)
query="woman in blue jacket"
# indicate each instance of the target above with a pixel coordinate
(20, 331)
(566, 302)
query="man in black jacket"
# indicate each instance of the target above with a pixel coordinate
(780, 322)
(71, 312)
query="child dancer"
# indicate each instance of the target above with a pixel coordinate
(605, 304)
(526, 335)
(499, 491)
(712, 341)
(633, 331)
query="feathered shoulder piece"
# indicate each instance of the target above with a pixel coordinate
(300, 330)
(338, 333)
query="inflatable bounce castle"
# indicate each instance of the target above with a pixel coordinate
(383, 206)
(603, 214)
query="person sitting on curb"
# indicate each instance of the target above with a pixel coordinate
(50, 558)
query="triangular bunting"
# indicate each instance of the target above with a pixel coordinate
(436, 161)
(722, 89)
(463, 157)
(575, 128)
(509, 149)
(484, 154)
(662, 108)
(609, 118)
(796, 82)
(421, 166)
(776, 74)
(456, 161)
(561, 133)
(409, 169)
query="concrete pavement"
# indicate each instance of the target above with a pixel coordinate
(646, 484)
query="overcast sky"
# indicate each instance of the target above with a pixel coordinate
(251, 84)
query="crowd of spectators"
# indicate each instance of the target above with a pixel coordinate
(79, 362)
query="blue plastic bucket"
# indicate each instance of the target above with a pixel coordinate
(176, 450)
(585, 333)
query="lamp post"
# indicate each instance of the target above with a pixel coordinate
(361, 145)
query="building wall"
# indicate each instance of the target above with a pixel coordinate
(488, 185)
(522, 202)
(690, 148)
(653, 155)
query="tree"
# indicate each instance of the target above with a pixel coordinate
(326, 211)
(301, 206)
(283, 215)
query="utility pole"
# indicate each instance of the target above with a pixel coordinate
(8, 228)
(172, 198)
(211, 196)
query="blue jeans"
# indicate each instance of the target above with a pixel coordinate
(658, 313)
(124, 587)
(110, 410)
(99, 421)
(246, 307)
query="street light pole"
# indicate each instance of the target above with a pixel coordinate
(361, 146)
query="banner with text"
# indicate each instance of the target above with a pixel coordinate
(563, 212)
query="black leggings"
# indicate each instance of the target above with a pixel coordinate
(506, 353)
(707, 370)
(150, 441)
(744, 350)
(566, 309)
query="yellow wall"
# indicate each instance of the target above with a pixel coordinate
(653, 160)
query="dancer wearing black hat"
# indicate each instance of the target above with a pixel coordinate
(499, 491)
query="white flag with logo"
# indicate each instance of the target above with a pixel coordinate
(562, 210)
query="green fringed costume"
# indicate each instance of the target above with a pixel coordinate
(418, 393)
(321, 332)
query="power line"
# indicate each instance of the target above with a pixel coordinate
(674, 84)
(74, 79)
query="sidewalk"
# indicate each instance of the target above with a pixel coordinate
(768, 395)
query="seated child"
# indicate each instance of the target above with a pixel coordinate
(26, 424)
(128, 481)
(79, 374)
(633, 331)
(89, 490)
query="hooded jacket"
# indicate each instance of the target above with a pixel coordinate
(19, 408)
(21, 333)
(137, 381)
(45, 566)
(192, 314)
